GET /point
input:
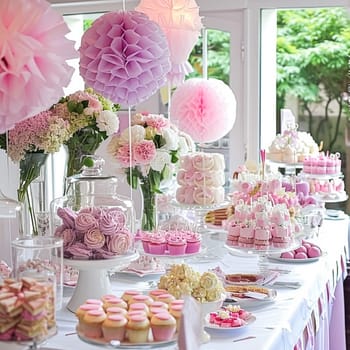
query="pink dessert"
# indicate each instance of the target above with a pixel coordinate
(157, 244)
(314, 252)
(306, 251)
(163, 326)
(7, 335)
(262, 238)
(176, 244)
(193, 242)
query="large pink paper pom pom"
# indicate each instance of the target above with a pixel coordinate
(125, 57)
(181, 24)
(33, 54)
(204, 108)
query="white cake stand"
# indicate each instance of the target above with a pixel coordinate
(93, 281)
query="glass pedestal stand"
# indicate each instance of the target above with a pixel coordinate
(212, 238)
(263, 255)
(93, 280)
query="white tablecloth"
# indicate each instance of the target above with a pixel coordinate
(310, 317)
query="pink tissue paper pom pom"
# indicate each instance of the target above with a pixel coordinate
(33, 55)
(181, 23)
(124, 56)
(204, 108)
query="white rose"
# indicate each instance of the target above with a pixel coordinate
(137, 134)
(108, 121)
(171, 139)
(160, 160)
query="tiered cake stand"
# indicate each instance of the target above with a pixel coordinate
(93, 280)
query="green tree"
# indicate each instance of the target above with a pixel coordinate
(218, 51)
(313, 47)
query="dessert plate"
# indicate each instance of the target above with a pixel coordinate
(251, 278)
(209, 325)
(277, 257)
(125, 344)
(248, 300)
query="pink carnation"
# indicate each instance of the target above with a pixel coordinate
(123, 156)
(156, 121)
(144, 152)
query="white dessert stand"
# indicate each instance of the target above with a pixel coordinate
(93, 280)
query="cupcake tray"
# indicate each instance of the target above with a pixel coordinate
(115, 344)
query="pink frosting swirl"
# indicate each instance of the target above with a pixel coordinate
(68, 216)
(119, 243)
(118, 215)
(85, 222)
(94, 239)
(107, 223)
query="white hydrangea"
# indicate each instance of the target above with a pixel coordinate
(108, 121)
(161, 159)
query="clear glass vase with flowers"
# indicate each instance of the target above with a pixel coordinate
(28, 144)
(147, 152)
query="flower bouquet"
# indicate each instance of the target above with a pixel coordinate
(91, 119)
(29, 144)
(147, 152)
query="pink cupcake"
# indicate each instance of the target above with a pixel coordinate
(163, 326)
(193, 242)
(145, 237)
(157, 244)
(91, 325)
(176, 244)
(114, 327)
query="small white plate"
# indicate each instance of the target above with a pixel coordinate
(334, 215)
(277, 257)
(209, 325)
(141, 273)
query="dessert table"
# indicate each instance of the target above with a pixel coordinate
(308, 317)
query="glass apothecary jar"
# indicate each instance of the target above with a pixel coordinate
(94, 222)
(38, 261)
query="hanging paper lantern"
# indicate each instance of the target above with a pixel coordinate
(125, 57)
(181, 24)
(204, 108)
(33, 54)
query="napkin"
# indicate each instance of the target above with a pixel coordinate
(190, 325)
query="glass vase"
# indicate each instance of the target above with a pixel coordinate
(149, 215)
(33, 200)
